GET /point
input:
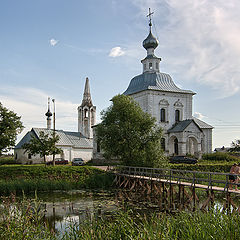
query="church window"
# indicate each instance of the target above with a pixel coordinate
(85, 113)
(177, 115)
(157, 66)
(150, 66)
(163, 144)
(175, 146)
(144, 66)
(29, 156)
(98, 146)
(16, 156)
(163, 115)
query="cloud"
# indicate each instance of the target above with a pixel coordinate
(116, 52)
(31, 105)
(53, 42)
(200, 39)
(199, 115)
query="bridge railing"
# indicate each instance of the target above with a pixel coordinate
(211, 179)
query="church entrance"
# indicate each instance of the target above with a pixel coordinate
(175, 146)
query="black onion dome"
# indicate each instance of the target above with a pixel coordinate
(48, 113)
(150, 41)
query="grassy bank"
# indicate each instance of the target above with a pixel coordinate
(26, 221)
(18, 178)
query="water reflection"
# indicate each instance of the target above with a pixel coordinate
(63, 209)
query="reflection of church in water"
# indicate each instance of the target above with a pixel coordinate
(157, 95)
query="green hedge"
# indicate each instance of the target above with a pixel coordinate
(41, 178)
(220, 156)
(7, 161)
(223, 167)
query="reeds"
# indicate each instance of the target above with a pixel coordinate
(25, 220)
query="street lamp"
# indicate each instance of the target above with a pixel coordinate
(54, 129)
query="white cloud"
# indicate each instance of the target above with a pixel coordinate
(53, 42)
(202, 38)
(31, 105)
(116, 52)
(199, 115)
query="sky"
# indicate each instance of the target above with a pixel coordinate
(49, 47)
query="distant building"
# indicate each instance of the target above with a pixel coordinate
(158, 95)
(222, 149)
(74, 144)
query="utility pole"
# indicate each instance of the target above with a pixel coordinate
(54, 129)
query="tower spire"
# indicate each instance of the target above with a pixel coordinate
(87, 101)
(86, 113)
(48, 114)
(151, 62)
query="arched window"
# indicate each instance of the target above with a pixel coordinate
(157, 65)
(29, 156)
(163, 144)
(85, 113)
(98, 146)
(150, 66)
(163, 115)
(144, 66)
(177, 115)
(175, 146)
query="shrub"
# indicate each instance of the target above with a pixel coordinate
(7, 161)
(219, 156)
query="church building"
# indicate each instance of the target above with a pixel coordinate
(74, 144)
(158, 95)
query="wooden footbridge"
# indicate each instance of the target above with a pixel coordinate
(172, 187)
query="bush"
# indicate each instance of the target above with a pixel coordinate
(220, 156)
(223, 167)
(41, 178)
(7, 161)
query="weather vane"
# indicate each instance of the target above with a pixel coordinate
(150, 18)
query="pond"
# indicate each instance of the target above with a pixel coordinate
(63, 208)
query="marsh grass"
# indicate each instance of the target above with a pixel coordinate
(25, 220)
(22, 220)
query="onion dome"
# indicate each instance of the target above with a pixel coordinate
(48, 113)
(150, 41)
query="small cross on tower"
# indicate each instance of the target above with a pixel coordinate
(150, 19)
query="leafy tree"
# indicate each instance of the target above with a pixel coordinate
(10, 126)
(45, 145)
(129, 134)
(235, 146)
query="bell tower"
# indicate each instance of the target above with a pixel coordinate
(86, 113)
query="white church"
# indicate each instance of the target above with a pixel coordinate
(157, 95)
(74, 144)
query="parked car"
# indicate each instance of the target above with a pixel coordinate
(58, 161)
(77, 162)
(183, 159)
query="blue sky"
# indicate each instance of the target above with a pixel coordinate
(49, 47)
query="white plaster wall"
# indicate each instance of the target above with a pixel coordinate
(149, 102)
(85, 154)
(207, 140)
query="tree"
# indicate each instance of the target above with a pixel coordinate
(235, 146)
(129, 134)
(45, 145)
(10, 126)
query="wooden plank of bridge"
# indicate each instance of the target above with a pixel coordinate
(189, 184)
(133, 185)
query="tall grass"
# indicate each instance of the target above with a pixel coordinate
(25, 220)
